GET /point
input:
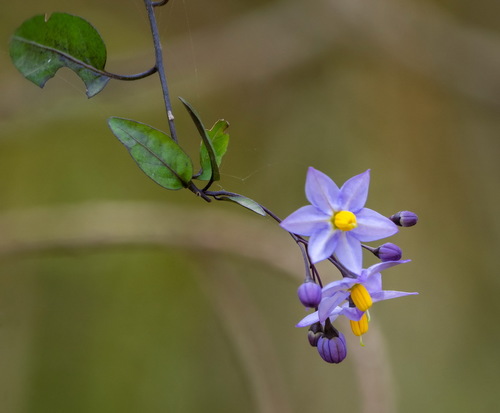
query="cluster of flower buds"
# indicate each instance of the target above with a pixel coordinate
(337, 224)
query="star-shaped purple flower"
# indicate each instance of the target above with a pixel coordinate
(334, 294)
(336, 221)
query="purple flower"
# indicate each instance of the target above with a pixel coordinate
(388, 252)
(336, 221)
(309, 294)
(364, 290)
(332, 350)
(404, 218)
(314, 334)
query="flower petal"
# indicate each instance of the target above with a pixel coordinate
(387, 295)
(322, 243)
(306, 221)
(373, 226)
(328, 306)
(335, 314)
(374, 283)
(354, 192)
(308, 320)
(352, 313)
(343, 284)
(321, 191)
(383, 266)
(348, 252)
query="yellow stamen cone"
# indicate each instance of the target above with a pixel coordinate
(361, 297)
(360, 327)
(344, 220)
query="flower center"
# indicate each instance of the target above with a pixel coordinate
(360, 327)
(344, 220)
(361, 297)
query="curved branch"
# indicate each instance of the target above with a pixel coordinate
(111, 225)
(93, 69)
(159, 64)
(137, 76)
(159, 3)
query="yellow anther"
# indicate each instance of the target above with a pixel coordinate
(361, 297)
(344, 220)
(360, 327)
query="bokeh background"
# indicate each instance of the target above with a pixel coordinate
(116, 295)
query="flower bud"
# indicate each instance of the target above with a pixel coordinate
(388, 252)
(309, 294)
(404, 218)
(314, 334)
(332, 350)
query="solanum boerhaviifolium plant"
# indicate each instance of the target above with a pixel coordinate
(334, 227)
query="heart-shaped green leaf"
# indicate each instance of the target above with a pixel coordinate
(41, 46)
(220, 140)
(155, 153)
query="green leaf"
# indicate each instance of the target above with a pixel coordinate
(214, 167)
(41, 46)
(245, 202)
(219, 140)
(156, 153)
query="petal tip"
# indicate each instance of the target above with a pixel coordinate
(311, 170)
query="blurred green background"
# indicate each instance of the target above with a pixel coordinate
(116, 295)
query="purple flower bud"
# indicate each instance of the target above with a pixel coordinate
(388, 252)
(332, 350)
(404, 218)
(314, 334)
(309, 294)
